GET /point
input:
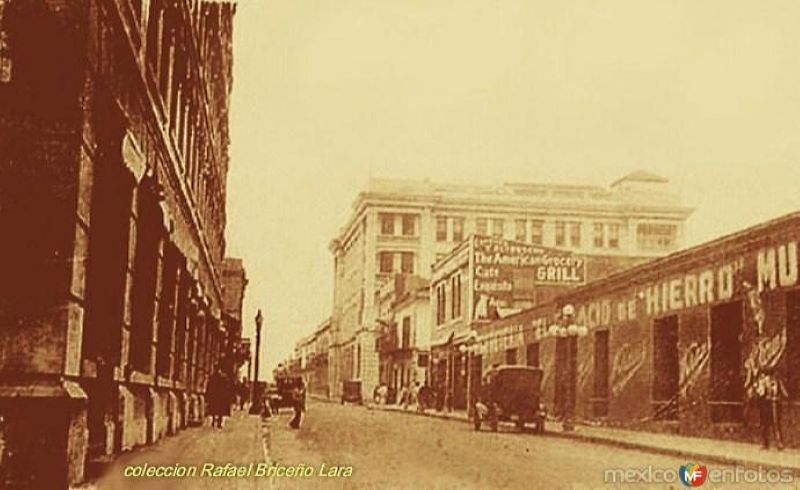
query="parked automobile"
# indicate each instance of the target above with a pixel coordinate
(351, 391)
(511, 393)
(283, 387)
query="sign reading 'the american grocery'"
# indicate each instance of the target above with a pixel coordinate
(503, 266)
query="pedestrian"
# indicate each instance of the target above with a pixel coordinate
(770, 392)
(243, 393)
(298, 404)
(403, 397)
(219, 392)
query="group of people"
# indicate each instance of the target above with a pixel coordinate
(222, 392)
(415, 394)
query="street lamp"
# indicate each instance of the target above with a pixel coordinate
(566, 328)
(466, 349)
(255, 408)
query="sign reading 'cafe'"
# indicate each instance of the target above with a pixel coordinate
(505, 270)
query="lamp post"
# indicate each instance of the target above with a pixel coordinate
(566, 328)
(467, 349)
(255, 407)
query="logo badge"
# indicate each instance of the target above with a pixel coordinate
(693, 474)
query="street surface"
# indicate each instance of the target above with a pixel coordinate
(385, 450)
(395, 450)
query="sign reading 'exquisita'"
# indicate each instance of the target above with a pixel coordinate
(502, 266)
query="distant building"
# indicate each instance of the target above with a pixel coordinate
(404, 226)
(405, 332)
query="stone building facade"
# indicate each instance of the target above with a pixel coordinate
(113, 163)
(405, 226)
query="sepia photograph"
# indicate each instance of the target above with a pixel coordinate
(399, 244)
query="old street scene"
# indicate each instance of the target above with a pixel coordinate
(347, 244)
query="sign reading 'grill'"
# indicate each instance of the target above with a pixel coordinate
(505, 271)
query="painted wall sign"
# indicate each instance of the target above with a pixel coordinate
(505, 270)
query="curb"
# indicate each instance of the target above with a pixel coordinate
(636, 446)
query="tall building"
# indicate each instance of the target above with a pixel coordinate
(113, 163)
(405, 226)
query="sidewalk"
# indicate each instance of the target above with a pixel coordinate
(692, 448)
(240, 442)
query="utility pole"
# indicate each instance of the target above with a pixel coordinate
(255, 408)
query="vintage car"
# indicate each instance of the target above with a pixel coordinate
(351, 391)
(284, 385)
(510, 393)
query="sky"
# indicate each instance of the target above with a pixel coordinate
(330, 92)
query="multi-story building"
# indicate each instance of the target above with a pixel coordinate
(405, 336)
(113, 163)
(403, 226)
(234, 282)
(311, 353)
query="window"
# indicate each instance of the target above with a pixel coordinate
(408, 224)
(520, 230)
(511, 356)
(575, 234)
(407, 262)
(532, 354)
(599, 235)
(656, 236)
(423, 359)
(5, 51)
(386, 260)
(440, 304)
(497, 228)
(456, 291)
(561, 233)
(727, 385)
(387, 223)
(458, 229)
(537, 232)
(482, 226)
(405, 341)
(613, 235)
(441, 229)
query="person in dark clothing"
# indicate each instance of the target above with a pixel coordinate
(219, 392)
(298, 404)
(770, 391)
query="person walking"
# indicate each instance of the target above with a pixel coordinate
(298, 404)
(770, 392)
(219, 392)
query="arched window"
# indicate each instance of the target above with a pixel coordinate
(5, 52)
